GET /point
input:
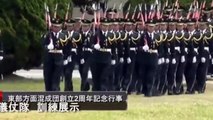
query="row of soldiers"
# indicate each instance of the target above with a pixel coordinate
(126, 55)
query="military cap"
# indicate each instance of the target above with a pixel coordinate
(157, 21)
(138, 21)
(111, 11)
(191, 21)
(163, 21)
(129, 21)
(70, 22)
(202, 20)
(110, 20)
(172, 21)
(56, 21)
(120, 20)
(85, 22)
(150, 22)
(180, 22)
(115, 20)
(104, 21)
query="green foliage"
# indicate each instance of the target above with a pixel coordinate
(22, 24)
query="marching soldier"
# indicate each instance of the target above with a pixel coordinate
(103, 56)
(53, 59)
(173, 56)
(122, 46)
(191, 65)
(75, 57)
(87, 53)
(134, 40)
(165, 57)
(160, 58)
(113, 66)
(136, 81)
(203, 57)
(127, 66)
(181, 55)
(149, 59)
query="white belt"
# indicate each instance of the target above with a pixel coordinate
(133, 49)
(153, 51)
(169, 51)
(206, 48)
(177, 48)
(196, 50)
(55, 51)
(186, 49)
(105, 50)
(88, 49)
(74, 50)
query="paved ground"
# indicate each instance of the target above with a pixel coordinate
(38, 74)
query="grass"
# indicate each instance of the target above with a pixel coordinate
(181, 107)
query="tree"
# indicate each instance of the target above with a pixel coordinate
(22, 24)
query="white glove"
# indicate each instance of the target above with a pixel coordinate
(210, 56)
(182, 59)
(50, 46)
(173, 61)
(65, 62)
(69, 59)
(121, 60)
(1, 58)
(194, 60)
(113, 62)
(145, 47)
(162, 60)
(128, 60)
(167, 60)
(97, 46)
(203, 60)
(159, 61)
(212, 60)
(82, 61)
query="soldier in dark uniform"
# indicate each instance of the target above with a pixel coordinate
(149, 59)
(127, 66)
(75, 57)
(165, 57)
(173, 57)
(112, 67)
(182, 56)
(160, 58)
(191, 65)
(203, 57)
(87, 53)
(53, 59)
(122, 49)
(103, 56)
(135, 38)
(116, 71)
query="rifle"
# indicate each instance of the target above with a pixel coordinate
(113, 10)
(133, 15)
(84, 11)
(119, 10)
(127, 14)
(55, 11)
